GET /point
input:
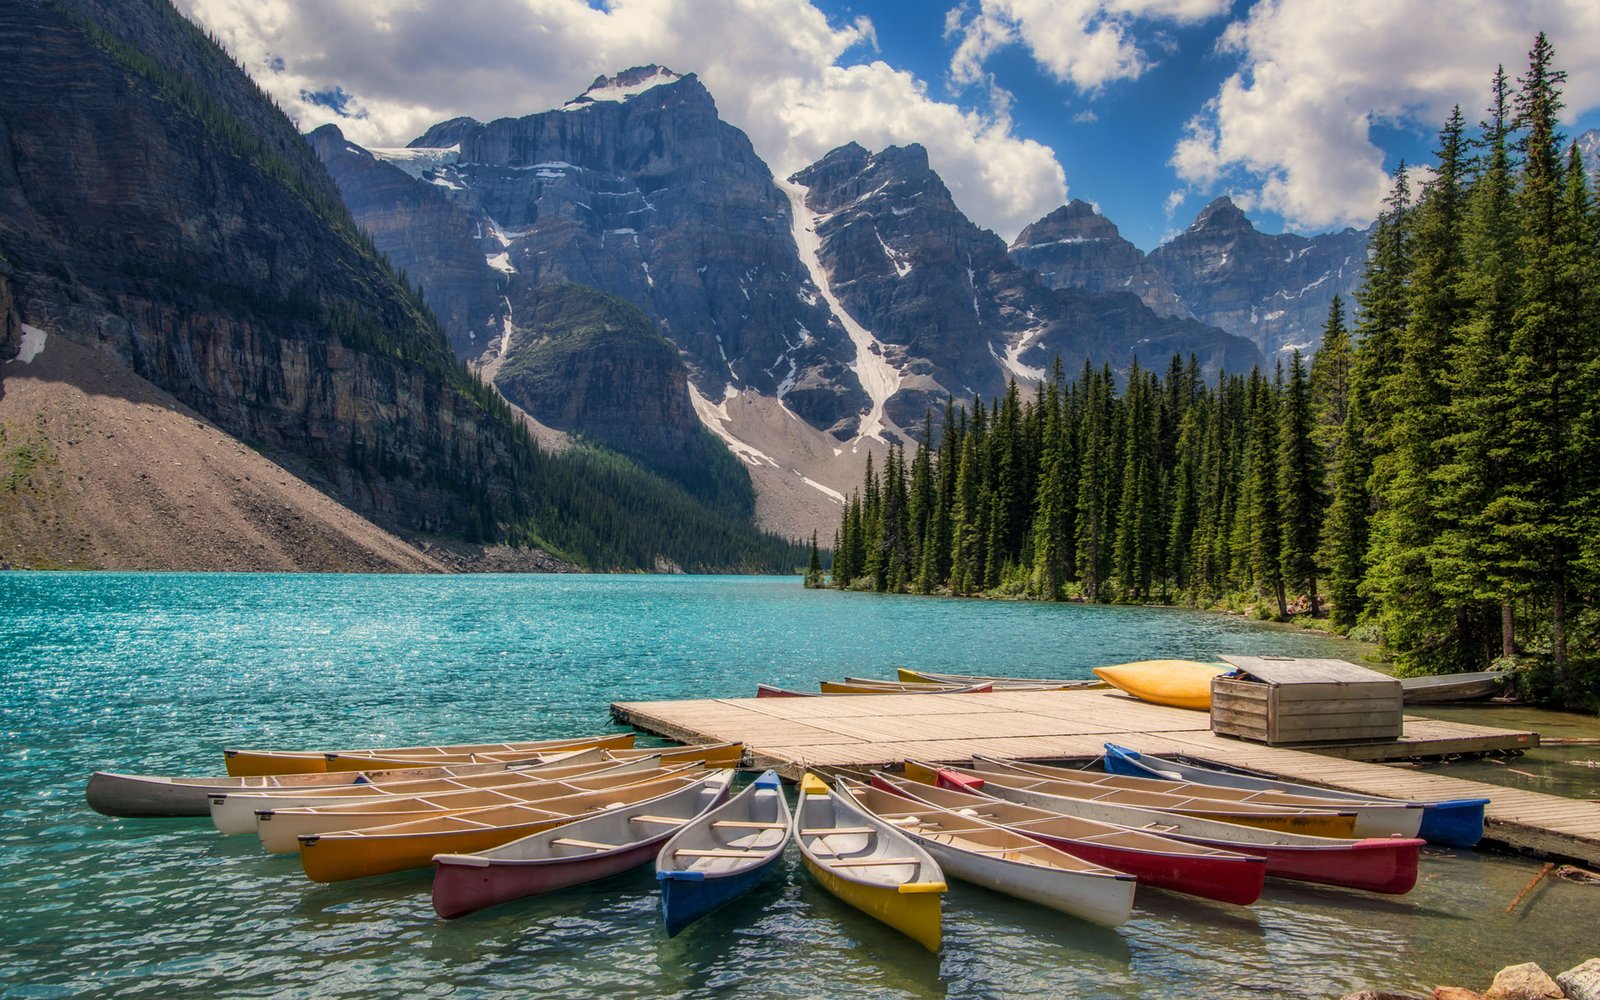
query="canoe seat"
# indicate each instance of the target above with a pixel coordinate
(865, 862)
(666, 820)
(743, 824)
(572, 842)
(718, 852)
(828, 831)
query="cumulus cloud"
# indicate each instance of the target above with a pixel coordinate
(1088, 43)
(779, 70)
(1293, 127)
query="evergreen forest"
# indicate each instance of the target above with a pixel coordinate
(1429, 480)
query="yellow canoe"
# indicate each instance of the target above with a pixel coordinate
(243, 763)
(869, 864)
(335, 857)
(1176, 683)
(709, 754)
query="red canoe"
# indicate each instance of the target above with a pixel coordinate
(1388, 866)
(1208, 872)
(583, 851)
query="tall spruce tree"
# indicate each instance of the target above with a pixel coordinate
(1301, 493)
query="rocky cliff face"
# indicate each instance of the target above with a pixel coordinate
(943, 306)
(635, 188)
(155, 204)
(1589, 151)
(591, 363)
(1077, 247)
(10, 322)
(1275, 290)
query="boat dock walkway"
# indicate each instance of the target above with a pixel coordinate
(865, 731)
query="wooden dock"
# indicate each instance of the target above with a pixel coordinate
(864, 731)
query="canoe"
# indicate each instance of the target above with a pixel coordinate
(280, 829)
(235, 812)
(709, 754)
(1372, 818)
(893, 687)
(1175, 683)
(996, 858)
(345, 760)
(258, 762)
(335, 857)
(910, 676)
(1386, 865)
(1444, 688)
(144, 795)
(869, 864)
(1320, 822)
(1452, 822)
(1176, 865)
(723, 854)
(585, 850)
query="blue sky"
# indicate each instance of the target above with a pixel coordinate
(1299, 109)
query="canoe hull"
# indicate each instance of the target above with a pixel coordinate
(462, 889)
(338, 859)
(248, 763)
(1099, 899)
(136, 796)
(1174, 683)
(914, 914)
(685, 900)
(1453, 823)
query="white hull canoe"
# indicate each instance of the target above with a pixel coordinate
(1373, 818)
(280, 830)
(1007, 862)
(235, 812)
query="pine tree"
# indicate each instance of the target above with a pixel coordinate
(814, 565)
(1300, 487)
(1330, 381)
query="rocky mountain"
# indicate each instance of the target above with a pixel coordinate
(1589, 150)
(1272, 290)
(1275, 290)
(937, 306)
(157, 208)
(1077, 247)
(635, 188)
(592, 363)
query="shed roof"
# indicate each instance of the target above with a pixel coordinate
(1291, 670)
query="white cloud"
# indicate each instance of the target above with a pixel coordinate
(1293, 125)
(1088, 43)
(777, 68)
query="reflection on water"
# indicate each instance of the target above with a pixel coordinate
(155, 673)
(1572, 770)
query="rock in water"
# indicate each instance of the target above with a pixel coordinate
(1522, 982)
(1455, 993)
(1581, 982)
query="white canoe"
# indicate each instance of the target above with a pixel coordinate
(235, 812)
(280, 830)
(999, 859)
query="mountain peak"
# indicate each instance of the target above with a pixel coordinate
(1076, 221)
(628, 83)
(1221, 214)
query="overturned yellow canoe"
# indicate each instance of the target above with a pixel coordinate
(1177, 683)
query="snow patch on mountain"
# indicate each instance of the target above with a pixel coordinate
(879, 378)
(628, 83)
(416, 161)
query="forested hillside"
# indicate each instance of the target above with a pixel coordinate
(1431, 479)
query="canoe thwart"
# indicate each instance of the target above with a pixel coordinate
(592, 845)
(829, 831)
(718, 852)
(869, 862)
(665, 820)
(745, 824)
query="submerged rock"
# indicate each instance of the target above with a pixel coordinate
(1455, 993)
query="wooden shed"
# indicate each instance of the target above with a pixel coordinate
(1280, 699)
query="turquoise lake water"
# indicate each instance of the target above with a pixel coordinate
(156, 673)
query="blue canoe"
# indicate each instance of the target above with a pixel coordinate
(723, 854)
(1454, 823)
